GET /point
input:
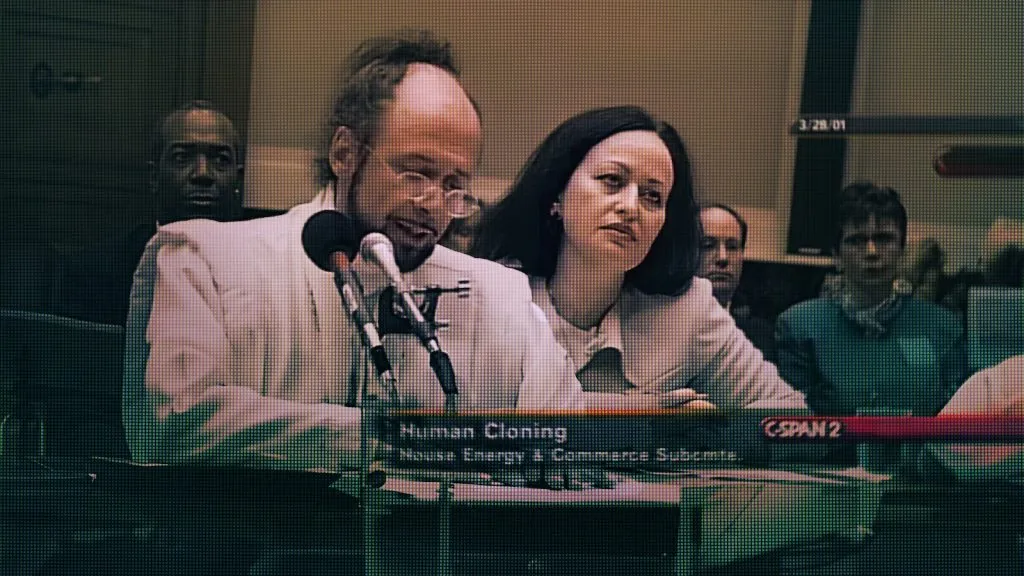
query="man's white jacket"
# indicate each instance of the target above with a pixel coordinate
(239, 352)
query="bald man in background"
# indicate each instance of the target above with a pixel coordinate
(196, 166)
(722, 247)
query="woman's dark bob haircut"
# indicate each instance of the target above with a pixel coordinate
(521, 228)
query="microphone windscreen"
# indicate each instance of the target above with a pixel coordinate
(374, 242)
(327, 232)
(377, 248)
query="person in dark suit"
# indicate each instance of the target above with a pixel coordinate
(195, 172)
(196, 166)
(722, 244)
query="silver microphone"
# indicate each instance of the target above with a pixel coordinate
(329, 240)
(378, 249)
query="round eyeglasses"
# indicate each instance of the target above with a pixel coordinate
(459, 202)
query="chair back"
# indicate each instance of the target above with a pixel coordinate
(60, 379)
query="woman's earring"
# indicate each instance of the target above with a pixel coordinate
(556, 211)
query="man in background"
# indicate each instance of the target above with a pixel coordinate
(195, 172)
(462, 233)
(196, 166)
(722, 247)
(868, 345)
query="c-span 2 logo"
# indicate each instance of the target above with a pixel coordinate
(802, 428)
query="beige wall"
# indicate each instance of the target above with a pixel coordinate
(726, 73)
(227, 58)
(940, 58)
(719, 71)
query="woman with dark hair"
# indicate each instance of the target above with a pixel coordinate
(603, 220)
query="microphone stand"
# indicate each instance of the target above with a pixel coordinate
(368, 334)
(421, 323)
(444, 488)
(399, 313)
(371, 497)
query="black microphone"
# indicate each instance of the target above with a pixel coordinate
(330, 241)
(327, 232)
(377, 248)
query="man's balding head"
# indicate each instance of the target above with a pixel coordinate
(724, 239)
(404, 169)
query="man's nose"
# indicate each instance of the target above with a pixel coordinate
(722, 255)
(871, 249)
(202, 168)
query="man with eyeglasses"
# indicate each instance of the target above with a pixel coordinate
(868, 346)
(721, 261)
(239, 350)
